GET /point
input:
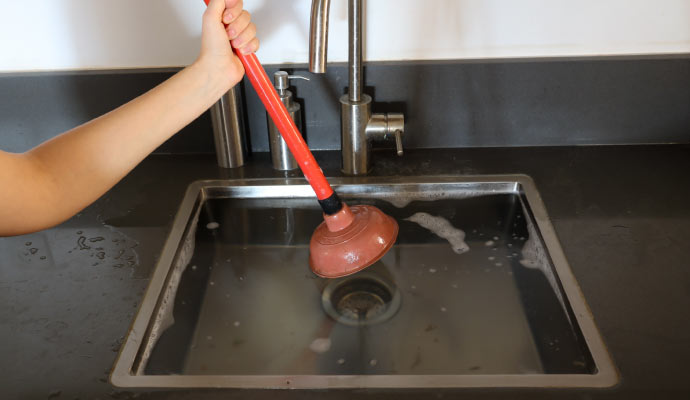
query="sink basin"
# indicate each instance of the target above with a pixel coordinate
(476, 292)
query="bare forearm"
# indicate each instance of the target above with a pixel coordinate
(74, 169)
(52, 182)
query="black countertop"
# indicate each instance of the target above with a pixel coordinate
(68, 294)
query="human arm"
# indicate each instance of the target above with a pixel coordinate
(53, 181)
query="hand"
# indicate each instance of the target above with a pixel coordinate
(225, 22)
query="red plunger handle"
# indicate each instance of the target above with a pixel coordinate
(280, 116)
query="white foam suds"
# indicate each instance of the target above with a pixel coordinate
(212, 225)
(442, 228)
(320, 345)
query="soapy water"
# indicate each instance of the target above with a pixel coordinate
(443, 229)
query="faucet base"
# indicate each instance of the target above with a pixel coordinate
(355, 146)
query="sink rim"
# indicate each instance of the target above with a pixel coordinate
(606, 375)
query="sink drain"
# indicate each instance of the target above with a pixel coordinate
(361, 300)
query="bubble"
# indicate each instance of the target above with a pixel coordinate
(320, 345)
(373, 362)
(341, 361)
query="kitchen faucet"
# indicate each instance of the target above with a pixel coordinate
(358, 125)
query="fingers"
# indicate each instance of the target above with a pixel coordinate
(245, 37)
(233, 9)
(238, 25)
(250, 47)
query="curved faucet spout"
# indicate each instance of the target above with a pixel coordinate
(318, 35)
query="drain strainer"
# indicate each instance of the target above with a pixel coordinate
(363, 299)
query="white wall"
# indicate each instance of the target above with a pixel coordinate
(79, 34)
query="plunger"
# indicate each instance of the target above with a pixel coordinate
(350, 238)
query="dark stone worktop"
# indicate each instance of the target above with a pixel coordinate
(621, 213)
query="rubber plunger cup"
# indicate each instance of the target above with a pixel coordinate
(351, 240)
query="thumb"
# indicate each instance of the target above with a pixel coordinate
(215, 8)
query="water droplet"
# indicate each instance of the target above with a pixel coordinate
(27, 244)
(96, 239)
(81, 242)
(79, 232)
(100, 255)
(212, 225)
(43, 257)
(33, 250)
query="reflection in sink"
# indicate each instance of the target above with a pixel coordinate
(475, 292)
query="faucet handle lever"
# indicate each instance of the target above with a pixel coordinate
(386, 127)
(398, 142)
(396, 126)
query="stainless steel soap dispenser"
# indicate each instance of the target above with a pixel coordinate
(280, 153)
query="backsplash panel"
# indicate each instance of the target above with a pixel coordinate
(446, 103)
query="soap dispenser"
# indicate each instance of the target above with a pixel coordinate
(281, 156)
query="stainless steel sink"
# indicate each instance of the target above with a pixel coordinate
(475, 293)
